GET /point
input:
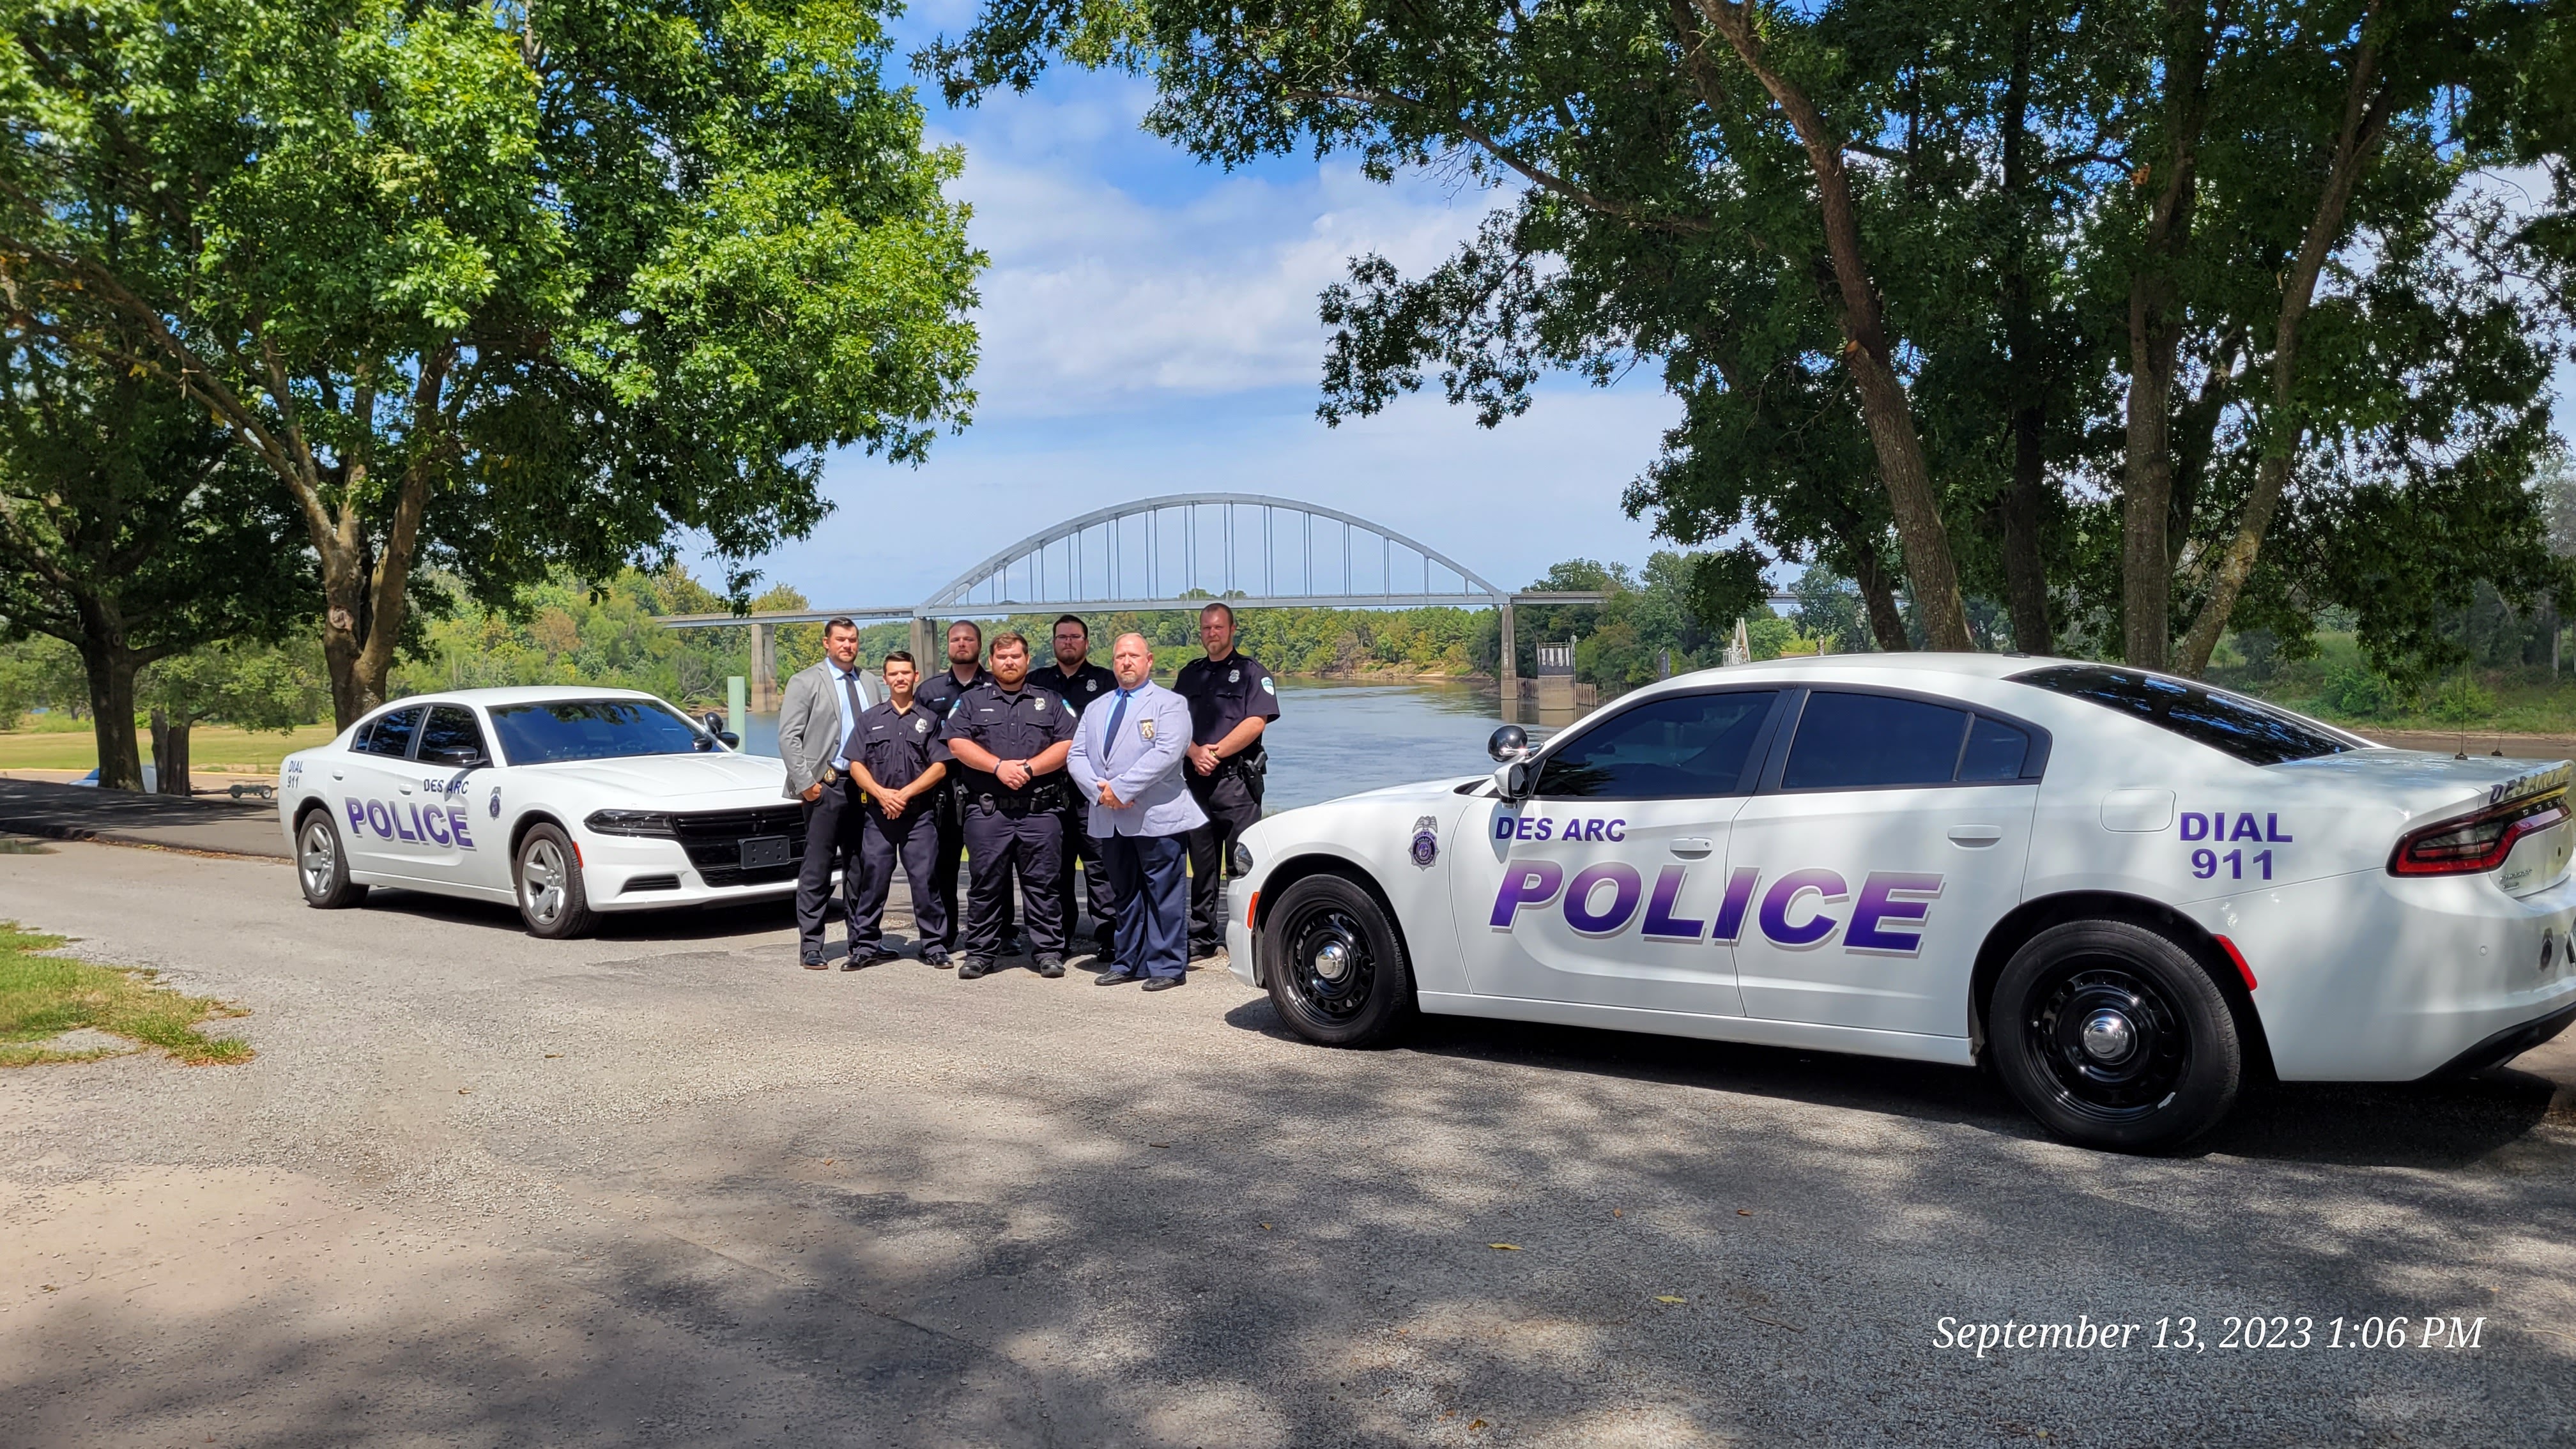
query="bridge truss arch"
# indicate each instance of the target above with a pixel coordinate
(1251, 549)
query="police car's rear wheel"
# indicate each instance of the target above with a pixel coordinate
(1335, 965)
(2112, 1035)
(322, 866)
(551, 898)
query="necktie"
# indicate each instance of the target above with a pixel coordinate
(850, 687)
(1109, 737)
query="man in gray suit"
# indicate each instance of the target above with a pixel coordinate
(822, 707)
(1127, 753)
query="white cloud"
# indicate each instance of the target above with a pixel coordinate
(1102, 294)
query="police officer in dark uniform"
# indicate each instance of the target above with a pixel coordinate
(1077, 681)
(1009, 740)
(939, 694)
(1232, 699)
(898, 759)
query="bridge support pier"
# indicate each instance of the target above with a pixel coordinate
(924, 662)
(1510, 672)
(764, 670)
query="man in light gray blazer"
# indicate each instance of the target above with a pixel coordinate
(822, 706)
(1128, 749)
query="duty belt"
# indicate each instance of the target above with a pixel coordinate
(1042, 799)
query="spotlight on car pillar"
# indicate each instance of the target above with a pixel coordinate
(1509, 743)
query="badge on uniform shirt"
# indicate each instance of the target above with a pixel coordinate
(920, 726)
(1269, 688)
(1041, 704)
(1091, 686)
(1235, 678)
(1145, 727)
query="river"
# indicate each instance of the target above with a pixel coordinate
(1337, 737)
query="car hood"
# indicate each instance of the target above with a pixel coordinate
(677, 781)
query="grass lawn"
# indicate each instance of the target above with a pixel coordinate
(211, 748)
(43, 996)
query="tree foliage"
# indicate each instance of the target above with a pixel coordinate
(2168, 314)
(493, 287)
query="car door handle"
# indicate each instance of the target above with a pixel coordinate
(1975, 836)
(1693, 846)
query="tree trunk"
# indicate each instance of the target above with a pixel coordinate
(2365, 113)
(2025, 563)
(2155, 345)
(170, 755)
(1885, 407)
(111, 669)
(1878, 595)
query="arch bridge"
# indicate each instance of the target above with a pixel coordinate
(1179, 551)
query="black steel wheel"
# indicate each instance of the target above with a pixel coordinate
(1335, 965)
(322, 863)
(2113, 1035)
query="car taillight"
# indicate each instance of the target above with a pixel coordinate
(2473, 843)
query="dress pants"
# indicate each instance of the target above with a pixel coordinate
(829, 819)
(1153, 902)
(1000, 845)
(911, 840)
(1232, 807)
(1081, 845)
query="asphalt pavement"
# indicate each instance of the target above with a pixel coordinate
(202, 823)
(663, 1187)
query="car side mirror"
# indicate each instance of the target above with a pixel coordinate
(731, 740)
(1515, 780)
(1511, 742)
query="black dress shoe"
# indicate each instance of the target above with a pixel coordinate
(814, 962)
(1049, 965)
(1119, 977)
(862, 960)
(972, 969)
(935, 955)
(1166, 983)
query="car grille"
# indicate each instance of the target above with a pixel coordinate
(714, 840)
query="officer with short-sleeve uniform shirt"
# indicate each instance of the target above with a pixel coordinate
(1232, 699)
(1078, 682)
(897, 757)
(1009, 740)
(939, 694)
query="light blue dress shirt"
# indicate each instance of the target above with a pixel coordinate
(841, 701)
(1143, 764)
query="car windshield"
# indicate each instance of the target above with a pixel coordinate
(2251, 731)
(592, 729)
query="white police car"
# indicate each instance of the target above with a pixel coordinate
(2126, 891)
(566, 801)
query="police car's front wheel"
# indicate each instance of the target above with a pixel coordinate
(551, 898)
(2113, 1036)
(322, 866)
(1335, 965)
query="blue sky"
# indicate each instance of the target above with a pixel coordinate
(1149, 327)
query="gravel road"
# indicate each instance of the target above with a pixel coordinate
(663, 1187)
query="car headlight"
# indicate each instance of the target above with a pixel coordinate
(630, 822)
(1242, 859)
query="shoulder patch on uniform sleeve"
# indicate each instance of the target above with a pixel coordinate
(1267, 687)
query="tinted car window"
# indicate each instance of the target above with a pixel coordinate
(389, 735)
(1849, 740)
(592, 729)
(1667, 749)
(1996, 751)
(452, 737)
(2255, 733)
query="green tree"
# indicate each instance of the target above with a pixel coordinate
(494, 287)
(257, 687)
(131, 529)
